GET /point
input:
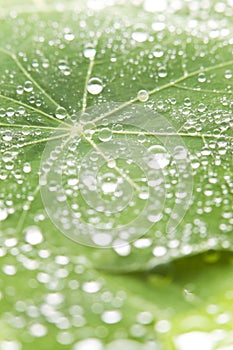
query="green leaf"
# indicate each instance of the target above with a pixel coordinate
(116, 132)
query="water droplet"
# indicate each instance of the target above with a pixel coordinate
(111, 317)
(19, 89)
(109, 183)
(10, 345)
(28, 87)
(140, 34)
(143, 95)
(9, 270)
(158, 157)
(60, 113)
(27, 168)
(122, 250)
(145, 317)
(64, 68)
(89, 344)
(163, 326)
(158, 51)
(89, 52)
(33, 235)
(228, 74)
(201, 77)
(38, 330)
(69, 36)
(159, 251)
(3, 214)
(95, 86)
(162, 72)
(195, 340)
(91, 287)
(105, 135)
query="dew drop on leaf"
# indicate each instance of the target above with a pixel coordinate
(111, 317)
(162, 72)
(95, 86)
(158, 51)
(33, 235)
(140, 34)
(89, 52)
(3, 214)
(143, 95)
(90, 344)
(60, 113)
(105, 135)
(28, 87)
(158, 157)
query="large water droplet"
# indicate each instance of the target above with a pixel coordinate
(105, 135)
(140, 34)
(111, 317)
(143, 95)
(60, 113)
(95, 86)
(33, 235)
(89, 52)
(158, 157)
(158, 51)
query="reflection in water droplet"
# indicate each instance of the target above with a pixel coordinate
(143, 95)
(95, 86)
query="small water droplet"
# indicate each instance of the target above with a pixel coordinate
(95, 86)
(228, 74)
